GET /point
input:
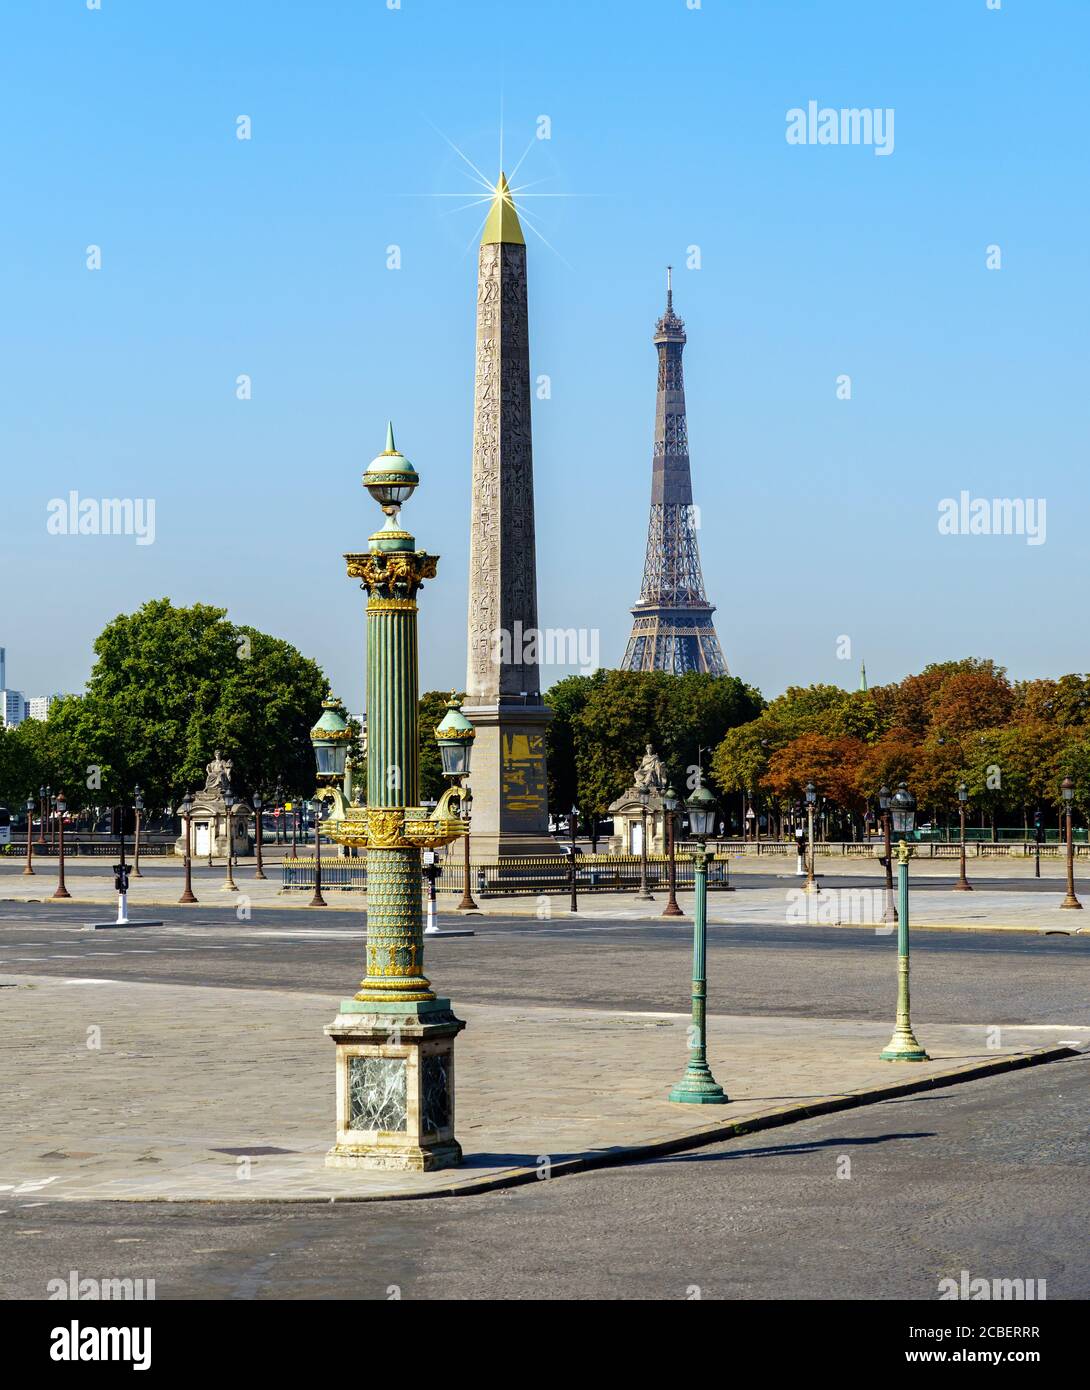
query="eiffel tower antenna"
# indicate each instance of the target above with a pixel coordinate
(672, 627)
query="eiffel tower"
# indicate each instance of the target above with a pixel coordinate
(672, 627)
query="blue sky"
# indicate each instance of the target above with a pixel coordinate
(269, 257)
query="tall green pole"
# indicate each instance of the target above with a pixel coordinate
(395, 1039)
(903, 1047)
(698, 1086)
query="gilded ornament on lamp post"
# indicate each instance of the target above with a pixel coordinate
(394, 1038)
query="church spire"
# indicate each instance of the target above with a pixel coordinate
(863, 675)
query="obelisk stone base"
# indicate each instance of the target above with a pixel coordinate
(509, 782)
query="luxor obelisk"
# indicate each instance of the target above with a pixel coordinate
(503, 679)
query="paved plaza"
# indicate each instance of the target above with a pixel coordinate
(198, 1094)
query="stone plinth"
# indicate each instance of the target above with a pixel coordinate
(508, 781)
(395, 1086)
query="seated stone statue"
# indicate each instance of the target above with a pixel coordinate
(651, 773)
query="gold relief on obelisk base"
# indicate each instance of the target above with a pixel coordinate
(523, 783)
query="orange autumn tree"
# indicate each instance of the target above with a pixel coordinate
(831, 763)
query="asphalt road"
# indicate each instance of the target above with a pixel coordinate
(989, 1178)
(850, 972)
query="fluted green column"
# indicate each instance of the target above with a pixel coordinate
(395, 928)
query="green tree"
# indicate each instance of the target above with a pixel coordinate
(21, 772)
(430, 710)
(567, 700)
(626, 710)
(169, 686)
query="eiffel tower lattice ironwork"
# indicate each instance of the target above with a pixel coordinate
(672, 628)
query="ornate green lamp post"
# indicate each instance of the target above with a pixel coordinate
(903, 1047)
(698, 1086)
(394, 1038)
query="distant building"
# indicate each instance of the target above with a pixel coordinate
(38, 706)
(13, 707)
(3, 668)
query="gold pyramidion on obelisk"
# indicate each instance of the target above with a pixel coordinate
(503, 679)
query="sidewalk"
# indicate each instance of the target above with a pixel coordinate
(195, 1093)
(859, 905)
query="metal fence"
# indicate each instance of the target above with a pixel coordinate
(81, 848)
(595, 873)
(926, 849)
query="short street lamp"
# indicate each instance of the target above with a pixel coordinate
(317, 900)
(30, 804)
(670, 804)
(884, 799)
(698, 1086)
(185, 810)
(903, 1047)
(258, 806)
(811, 801)
(1067, 787)
(1038, 836)
(644, 895)
(573, 827)
(138, 803)
(41, 817)
(62, 806)
(230, 886)
(467, 904)
(963, 885)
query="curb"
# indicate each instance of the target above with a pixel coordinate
(565, 916)
(621, 1155)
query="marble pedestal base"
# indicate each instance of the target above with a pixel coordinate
(395, 1086)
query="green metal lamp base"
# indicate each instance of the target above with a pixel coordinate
(903, 1047)
(699, 1088)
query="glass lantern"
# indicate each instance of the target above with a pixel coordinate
(454, 735)
(702, 810)
(903, 810)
